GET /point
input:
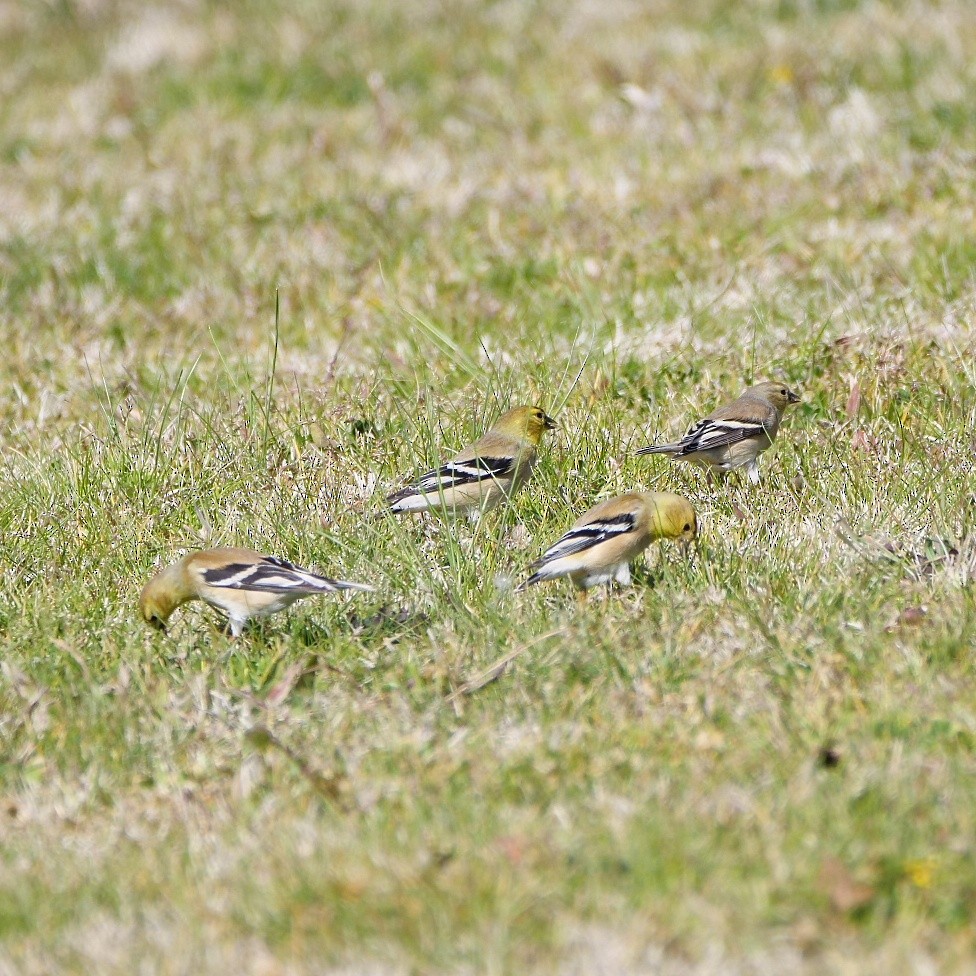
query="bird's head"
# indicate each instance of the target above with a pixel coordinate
(777, 393)
(673, 517)
(162, 595)
(525, 423)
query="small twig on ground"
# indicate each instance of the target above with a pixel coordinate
(329, 786)
(494, 671)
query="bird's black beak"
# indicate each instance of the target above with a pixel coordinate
(550, 423)
(792, 397)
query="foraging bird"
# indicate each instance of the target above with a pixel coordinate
(601, 544)
(734, 435)
(482, 475)
(241, 583)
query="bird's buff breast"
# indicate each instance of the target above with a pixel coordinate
(251, 602)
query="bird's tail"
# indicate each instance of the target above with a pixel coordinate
(660, 449)
(531, 581)
(346, 585)
(399, 496)
(316, 583)
(410, 500)
(397, 503)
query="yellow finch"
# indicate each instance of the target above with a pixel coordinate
(485, 473)
(733, 436)
(241, 583)
(601, 544)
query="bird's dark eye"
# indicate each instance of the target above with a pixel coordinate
(782, 392)
(687, 527)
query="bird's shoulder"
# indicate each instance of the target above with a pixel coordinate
(221, 556)
(747, 409)
(492, 446)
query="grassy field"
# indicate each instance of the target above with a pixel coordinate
(261, 262)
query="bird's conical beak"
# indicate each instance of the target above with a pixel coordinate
(550, 423)
(792, 397)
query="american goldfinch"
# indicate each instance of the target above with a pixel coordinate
(734, 435)
(478, 478)
(600, 545)
(241, 583)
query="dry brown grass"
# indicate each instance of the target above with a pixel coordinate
(758, 762)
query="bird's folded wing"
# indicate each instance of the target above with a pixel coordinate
(456, 473)
(270, 575)
(583, 537)
(707, 435)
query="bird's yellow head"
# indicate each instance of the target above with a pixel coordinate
(672, 516)
(162, 595)
(778, 394)
(525, 423)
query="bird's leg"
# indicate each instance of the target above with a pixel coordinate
(622, 574)
(225, 626)
(232, 628)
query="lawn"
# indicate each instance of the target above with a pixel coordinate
(260, 263)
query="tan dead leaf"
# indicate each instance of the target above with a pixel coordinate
(845, 892)
(690, 629)
(353, 886)
(807, 934)
(709, 740)
(853, 401)
(601, 383)
(512, 849)
(909, 617)
(862, 441)
(282, 688)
